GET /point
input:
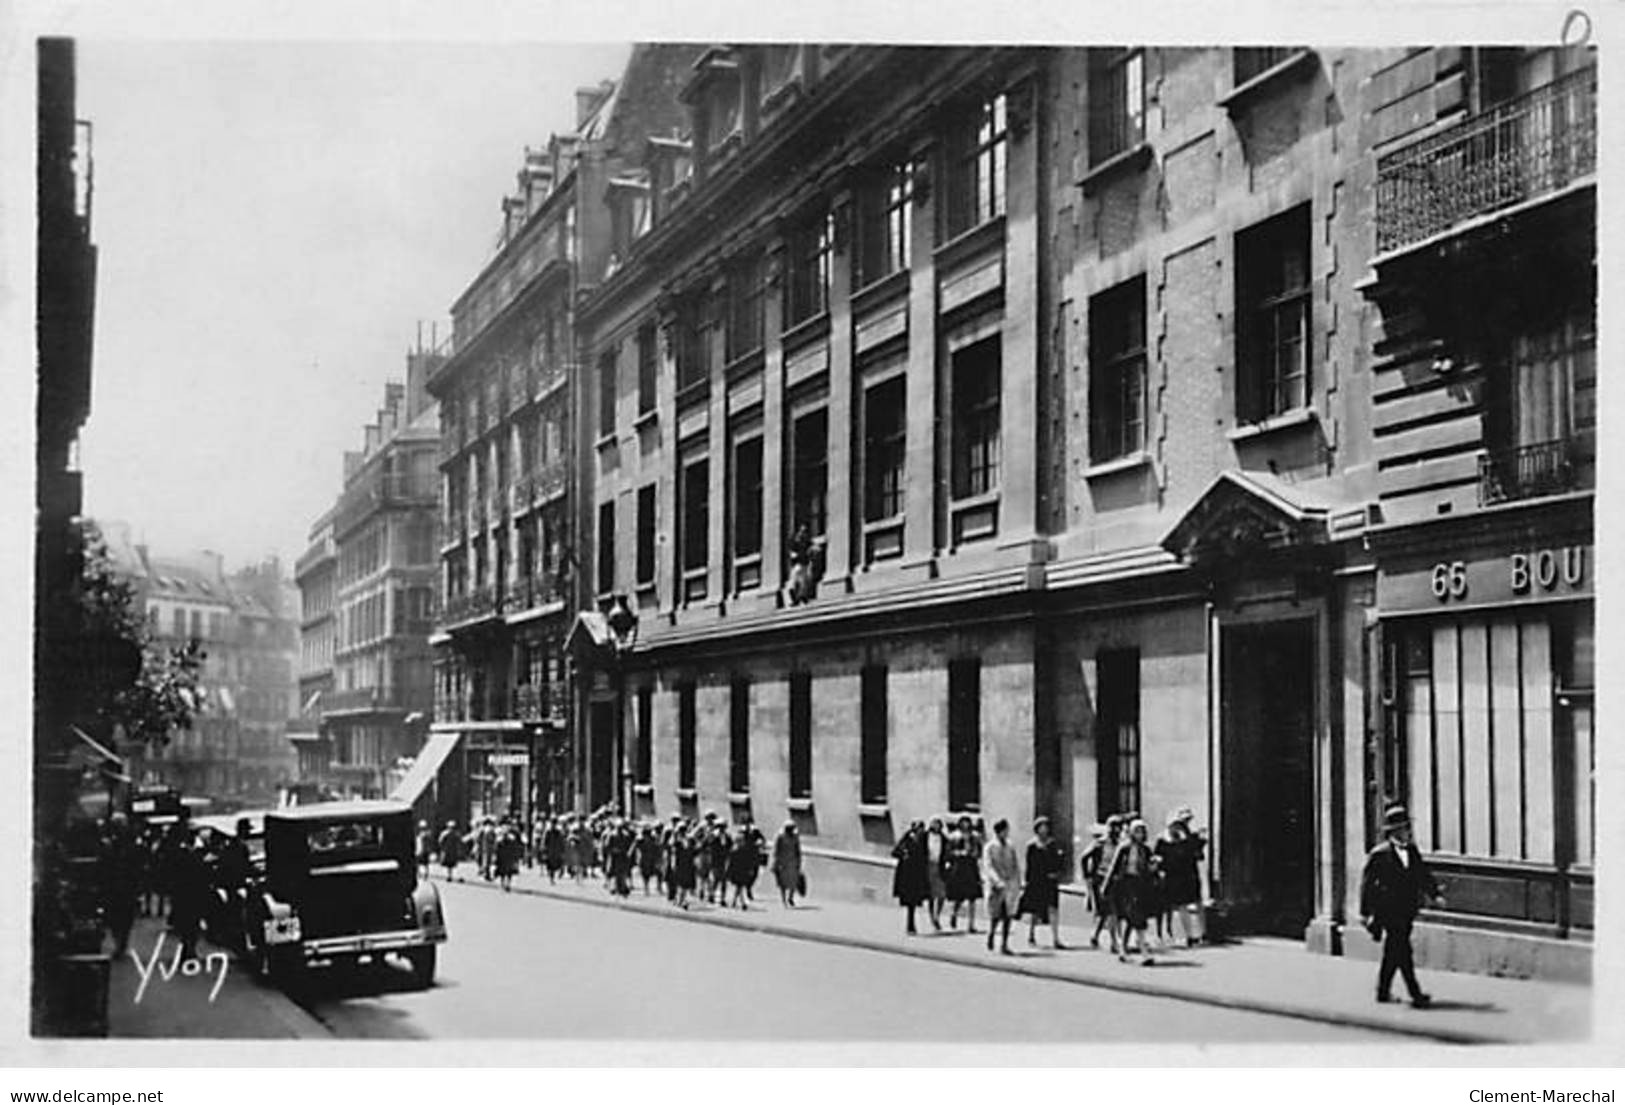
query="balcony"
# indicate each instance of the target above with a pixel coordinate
(538, 590)
(539, 702)
(1532, 471)
(1526, 148)
(379, 493)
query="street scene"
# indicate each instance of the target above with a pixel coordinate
(808, 542)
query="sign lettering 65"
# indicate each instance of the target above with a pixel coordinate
(1449, 580)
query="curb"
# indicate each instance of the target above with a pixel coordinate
(1004, 966)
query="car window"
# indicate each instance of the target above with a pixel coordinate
(344, 836)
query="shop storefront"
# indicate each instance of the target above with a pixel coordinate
(1487, 646)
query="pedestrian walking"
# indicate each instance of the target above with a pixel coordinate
(936, 856)
(1041, 893)
(1128, 886)
(649, 853)
(911, 883)
(1179, 852)
(425, 849)
(1097, 859)
(619, 845)
(787, 864)
(744, 861)
(189, 892)
(1395, 885)
(451, 850)
(963, 868)
(684, 847)
(759, 843)
(121, 865)
(1001, 871)
(509, 850)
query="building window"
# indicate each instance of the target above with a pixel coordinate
(745, 300)
(643, 764)
(646, 535)
(1251, 61)
(1117, 391)
(1116, 102)
(885, 206)
(964, 734)
(1540, 416)
(976, 418)
(739, 736)
(685, 736)
(1272, 317)
(885, 428)
(778, 67)
(807, 260)
(1117, 731)
(1491, 732)
(606, 548)
(694, 513)
(693, 346)
(648, 368)
(976, 167)
(606, 393)
(800, 734)
(872, 766)
(747, 512)
(809, 473)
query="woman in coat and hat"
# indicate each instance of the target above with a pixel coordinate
(1128, 886)
(1001, 870)
(964, 871)
(1179, 853)
(787, 863)
(911, 882)
(1041, 894)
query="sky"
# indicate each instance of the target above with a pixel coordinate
(273, 221)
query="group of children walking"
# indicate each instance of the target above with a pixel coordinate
(1131, 880)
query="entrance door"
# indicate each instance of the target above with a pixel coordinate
(601, 781)
(1267, 839)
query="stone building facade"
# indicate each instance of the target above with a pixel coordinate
(1078, 431)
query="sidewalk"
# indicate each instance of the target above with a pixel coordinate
(223, 1002)
(1261, 975)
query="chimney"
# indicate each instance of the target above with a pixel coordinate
(587, 101)
(352, 461)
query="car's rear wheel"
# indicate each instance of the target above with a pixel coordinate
(423, 964)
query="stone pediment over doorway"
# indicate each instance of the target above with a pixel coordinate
(1244, 514)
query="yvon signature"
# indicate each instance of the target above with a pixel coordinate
(191, 967)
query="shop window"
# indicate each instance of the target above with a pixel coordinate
(800, 734)
(872, 766)
(807, 260)
(976, 156)
(964, 734)
(1116, 102)
(1117, 731)
(884, 210)
(1273, 317)
(975, 403)
(739, 736)
(1576, 693)
(1117, 370)
(686, 722)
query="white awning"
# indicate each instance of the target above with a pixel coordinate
(431, 757)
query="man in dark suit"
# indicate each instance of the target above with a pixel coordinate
(1393, 889)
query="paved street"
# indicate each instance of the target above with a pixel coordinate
(519, 966)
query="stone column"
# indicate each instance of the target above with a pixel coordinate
(920, 466)
(1023, 329)
(844, 516)
(775, 432)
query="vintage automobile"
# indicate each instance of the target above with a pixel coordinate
(340, 883)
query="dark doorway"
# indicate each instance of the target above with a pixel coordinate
(1267, 841)
(601, 777)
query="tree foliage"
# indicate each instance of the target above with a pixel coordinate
(149, 699)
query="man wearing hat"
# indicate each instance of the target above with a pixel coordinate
(1393, 889)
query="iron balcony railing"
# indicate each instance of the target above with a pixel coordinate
(1519, 150)
(539, 702)
(1530, 471)
(372, 698)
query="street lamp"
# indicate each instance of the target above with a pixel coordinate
(623, 627)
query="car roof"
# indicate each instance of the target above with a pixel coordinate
(327, 811)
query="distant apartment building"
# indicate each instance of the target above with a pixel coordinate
(371, 598)
(509, 394)
(316, 577)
